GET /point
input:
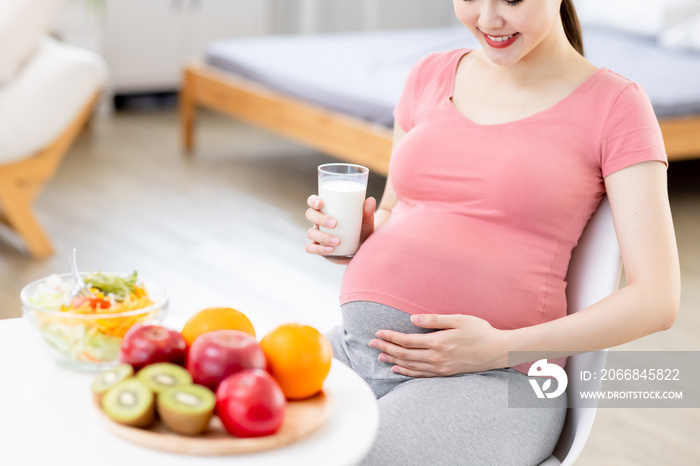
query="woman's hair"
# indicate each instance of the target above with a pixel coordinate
(571, 25)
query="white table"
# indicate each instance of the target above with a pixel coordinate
(47, 416)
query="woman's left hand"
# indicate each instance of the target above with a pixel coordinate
(463, 344)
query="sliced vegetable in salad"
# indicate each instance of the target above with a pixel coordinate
(113, 294)
(81, 342)
(120, 287)
(90, 329)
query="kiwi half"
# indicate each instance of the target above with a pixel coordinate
(186, 409)
(108, 379)
(130, 402)
(163, 375)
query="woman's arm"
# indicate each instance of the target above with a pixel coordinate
(649, 303)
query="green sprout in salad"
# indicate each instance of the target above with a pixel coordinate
(120, 287)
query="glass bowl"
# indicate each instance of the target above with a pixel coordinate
(85, 341)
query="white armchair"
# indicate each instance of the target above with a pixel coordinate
(594, 273)
(47, 93)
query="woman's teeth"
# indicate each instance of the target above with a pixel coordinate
(499, 38)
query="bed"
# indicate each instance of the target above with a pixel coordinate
(336, 92)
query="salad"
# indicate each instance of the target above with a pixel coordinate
(90, 329)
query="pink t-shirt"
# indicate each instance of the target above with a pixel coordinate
(488, 215)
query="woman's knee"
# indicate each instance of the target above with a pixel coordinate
(456, 421)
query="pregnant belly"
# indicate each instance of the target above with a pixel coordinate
(448, 265)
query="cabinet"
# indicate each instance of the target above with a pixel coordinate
(145, 42)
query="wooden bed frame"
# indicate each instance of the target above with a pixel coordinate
(345, 137)
(22, 180)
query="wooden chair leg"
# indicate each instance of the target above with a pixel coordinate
(17, 206)
(187, 113)
(87, 127)
(22, 180)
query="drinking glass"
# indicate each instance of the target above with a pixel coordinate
(342, 187)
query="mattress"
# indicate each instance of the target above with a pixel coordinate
(362, 73)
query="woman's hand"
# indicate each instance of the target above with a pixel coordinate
(463, 344)
(322, 243)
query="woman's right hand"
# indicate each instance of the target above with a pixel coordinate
(322, 243)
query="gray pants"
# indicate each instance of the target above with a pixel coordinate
(458, 420)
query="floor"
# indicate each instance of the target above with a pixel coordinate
(227, 227)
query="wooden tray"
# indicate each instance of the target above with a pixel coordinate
(302, 418)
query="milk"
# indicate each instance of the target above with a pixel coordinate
(344, 200)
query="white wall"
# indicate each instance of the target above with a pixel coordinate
(80, 21)
(308, 16)
(146, 41)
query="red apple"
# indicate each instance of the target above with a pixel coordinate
(250, 404)
(215, 355)
(147, 344)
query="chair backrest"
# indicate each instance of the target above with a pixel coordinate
(594, 273)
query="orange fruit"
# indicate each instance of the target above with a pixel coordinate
(216, 318)
(298, 358)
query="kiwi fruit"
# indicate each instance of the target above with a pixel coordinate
(108, 379)
(130, 402)
(163, 375)
(186, 409)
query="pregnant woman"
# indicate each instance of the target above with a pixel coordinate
(501, 155)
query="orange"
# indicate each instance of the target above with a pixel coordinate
(215, 318)
(298, 358)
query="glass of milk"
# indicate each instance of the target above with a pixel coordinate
(342, 187)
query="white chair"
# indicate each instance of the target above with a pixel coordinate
(594, 273)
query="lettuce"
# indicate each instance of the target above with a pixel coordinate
(119, 286)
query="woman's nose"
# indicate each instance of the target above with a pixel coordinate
(489, 17)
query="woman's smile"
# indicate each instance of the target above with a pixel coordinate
(500, 42)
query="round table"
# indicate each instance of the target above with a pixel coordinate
(47, 415)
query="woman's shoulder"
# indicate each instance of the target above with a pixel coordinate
(613, 87)
(437, 61)
(446, 56)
